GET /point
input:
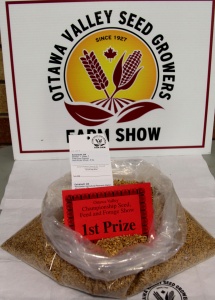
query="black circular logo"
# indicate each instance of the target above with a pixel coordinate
(99, 141)
(165, 290)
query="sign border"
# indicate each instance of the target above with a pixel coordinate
(22, 151)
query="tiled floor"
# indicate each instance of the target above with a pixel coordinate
(6, 164)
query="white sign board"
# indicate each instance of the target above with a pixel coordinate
(141, 72)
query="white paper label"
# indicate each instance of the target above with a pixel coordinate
(90, 161)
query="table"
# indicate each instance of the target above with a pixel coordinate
(22, 201)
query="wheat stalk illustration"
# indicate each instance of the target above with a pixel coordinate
(157, 296)
(125, 75)
(95, 71)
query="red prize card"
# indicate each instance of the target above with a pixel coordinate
(111, 211)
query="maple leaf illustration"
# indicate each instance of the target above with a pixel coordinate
(110, 53)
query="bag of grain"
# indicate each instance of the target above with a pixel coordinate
(90, 258)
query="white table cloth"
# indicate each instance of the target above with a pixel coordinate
(24, 193)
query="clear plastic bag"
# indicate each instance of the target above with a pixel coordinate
(89, 258)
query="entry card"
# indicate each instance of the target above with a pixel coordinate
(90, 161)
(106, 212)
